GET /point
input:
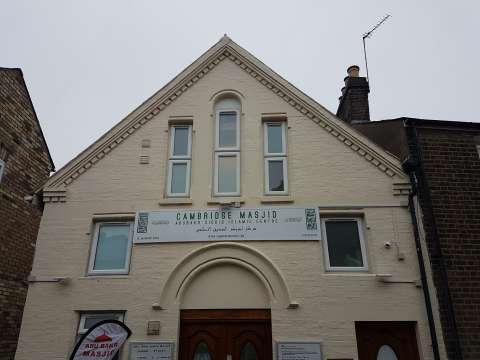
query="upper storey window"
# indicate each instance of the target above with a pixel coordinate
(227, 147)
(275, 153)
(179, 162)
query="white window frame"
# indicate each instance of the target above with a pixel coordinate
(227, 154)
(179, 159)
(275, 156)
(265, 137)
(217, 130)
(187, 180)
(172, 141)
(267, 176)
(93, 252)
(363, 248)
(83, 316)
(2, 168)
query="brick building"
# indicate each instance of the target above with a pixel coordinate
(444, 161)
(25, 164)
(232, 217)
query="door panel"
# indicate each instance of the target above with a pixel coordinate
(210, 335)
(225, 332)
(386, 340)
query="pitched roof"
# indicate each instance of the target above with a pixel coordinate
(19, 74)
(224, 50)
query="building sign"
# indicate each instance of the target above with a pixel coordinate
(183, 225)
(151, 350)
(102, 341)
(290, 350)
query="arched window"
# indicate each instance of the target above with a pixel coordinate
(227, 147)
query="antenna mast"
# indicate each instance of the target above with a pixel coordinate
(367, 35)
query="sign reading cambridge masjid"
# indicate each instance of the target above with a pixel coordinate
(183, 225)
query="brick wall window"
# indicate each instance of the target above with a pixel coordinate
(88, 319)
(179, 163)
(111, 247)
(227, 147)
(275, 155)
(344, 244)
(2, 169)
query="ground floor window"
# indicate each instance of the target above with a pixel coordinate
(88, 319)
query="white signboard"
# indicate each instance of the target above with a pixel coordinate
(299, 351)
(183, 225)
(151, 350)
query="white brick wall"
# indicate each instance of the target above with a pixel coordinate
(322, 172)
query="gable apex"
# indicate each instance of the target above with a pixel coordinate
(224, 49)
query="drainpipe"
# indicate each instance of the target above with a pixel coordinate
(414, 168)
(409, 167)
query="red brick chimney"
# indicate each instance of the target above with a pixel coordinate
(353, 107)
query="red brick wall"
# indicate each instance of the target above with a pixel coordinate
(452, 169)
(27, 168)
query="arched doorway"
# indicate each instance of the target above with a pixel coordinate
(224, 304)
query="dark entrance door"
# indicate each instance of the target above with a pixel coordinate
(225, 335)
(386, 341)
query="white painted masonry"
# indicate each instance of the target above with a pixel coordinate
(330, 167)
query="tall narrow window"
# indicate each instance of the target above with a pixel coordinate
(275, 152)
(227, 147)
(2, 168)
(179, 161)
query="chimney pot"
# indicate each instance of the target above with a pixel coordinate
(353, 71)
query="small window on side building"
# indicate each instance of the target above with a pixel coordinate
(2, 169)
(344, 244)
(275, 154)
(111, 248)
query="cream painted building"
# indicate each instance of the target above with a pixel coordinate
(225, 137)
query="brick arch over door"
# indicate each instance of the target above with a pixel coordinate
(231, 255)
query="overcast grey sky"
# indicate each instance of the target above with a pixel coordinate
(89, 63)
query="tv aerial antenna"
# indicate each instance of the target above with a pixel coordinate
(367, 35)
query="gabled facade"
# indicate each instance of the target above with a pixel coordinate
(230, 162)
(25, 165)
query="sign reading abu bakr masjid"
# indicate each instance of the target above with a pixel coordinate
(186, 225)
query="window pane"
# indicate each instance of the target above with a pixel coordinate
(386, 353)
(248, 352)
(180, 141)
(275, 175)
(227, 174)
(227, 129)
(275, 140)
(112, 247)
(179, 178)
(92, 319)
(201, 352)
(344, 244)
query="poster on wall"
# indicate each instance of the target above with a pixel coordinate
(102, 341)
(151, 350)
(237, 224)
(301, 350)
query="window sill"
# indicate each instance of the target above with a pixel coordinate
(276, 199)
(105, 276)
(226, 200)
(175, 201)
